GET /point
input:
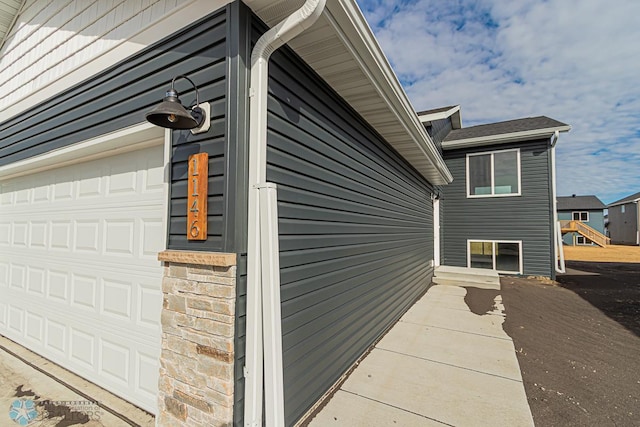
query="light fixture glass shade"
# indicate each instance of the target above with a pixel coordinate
(170, 113)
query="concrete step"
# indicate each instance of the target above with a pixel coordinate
(447, 275)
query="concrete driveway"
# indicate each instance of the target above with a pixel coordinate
(35, 392)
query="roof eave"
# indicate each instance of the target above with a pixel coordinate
(441, 115)
(623, 203)
(379, 70)
(503, 138)
(397, 121)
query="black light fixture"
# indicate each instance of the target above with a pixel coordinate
(170, 113)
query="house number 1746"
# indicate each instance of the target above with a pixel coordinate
(197, 196)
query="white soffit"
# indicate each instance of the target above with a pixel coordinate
(8, 12)
(341, 48)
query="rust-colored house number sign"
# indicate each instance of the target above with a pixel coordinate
(197, 196)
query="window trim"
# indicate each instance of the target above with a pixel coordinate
(579, 215)
(493, 188)
(493, 257)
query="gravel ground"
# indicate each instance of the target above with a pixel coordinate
(578, 344)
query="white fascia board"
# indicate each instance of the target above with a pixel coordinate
(503, 138)
(441, 115)
(366, 50)
(180, 17)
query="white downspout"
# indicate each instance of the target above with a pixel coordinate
(263, 271)
(559, 251)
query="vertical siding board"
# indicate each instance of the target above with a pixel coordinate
(356, 231)
(525, 217)
(239, 34)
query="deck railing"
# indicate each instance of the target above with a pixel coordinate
(586, 231)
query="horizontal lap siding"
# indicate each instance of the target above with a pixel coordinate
(120, 96)
(356, 232)
(111, 100)
(50, 39)
(526, 217)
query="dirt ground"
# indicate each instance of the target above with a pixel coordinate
(578, 344)
(612, 253)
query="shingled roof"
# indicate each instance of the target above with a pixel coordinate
(631, 198)
(518, 126)
(583, 203)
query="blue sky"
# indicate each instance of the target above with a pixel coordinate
(575, 61)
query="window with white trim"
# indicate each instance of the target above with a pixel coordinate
(494, 173)
(580, 216)
(503, 256)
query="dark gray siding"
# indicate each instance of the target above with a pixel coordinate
(438, 131)
(623, 227)
(526, 217)
(121, 95)
(204, 53)
(356, 232)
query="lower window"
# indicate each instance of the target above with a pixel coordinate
(581, 240)
(504, 256)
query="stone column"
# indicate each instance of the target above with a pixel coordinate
(198, 315)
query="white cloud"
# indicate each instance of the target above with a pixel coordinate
(576, 62)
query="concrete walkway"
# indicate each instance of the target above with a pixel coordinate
(441, 364)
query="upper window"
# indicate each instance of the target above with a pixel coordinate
(493, 174)
(580, 216)
(622, 209)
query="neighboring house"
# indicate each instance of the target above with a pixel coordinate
(499, 211)
(92, 196)
(588, 210)
(624, 221)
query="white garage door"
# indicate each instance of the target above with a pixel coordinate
(79, 279)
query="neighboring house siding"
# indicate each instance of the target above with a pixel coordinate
(526, 217)
(596, 221)
(623, 227)
(356, 232)
(50, 39)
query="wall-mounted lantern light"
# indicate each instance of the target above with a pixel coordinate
(170, 113)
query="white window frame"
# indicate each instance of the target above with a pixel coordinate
(579, 216)
(493, 186)
(520, 257)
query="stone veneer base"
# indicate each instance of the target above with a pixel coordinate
(196, 386)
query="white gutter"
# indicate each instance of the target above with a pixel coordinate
(263, 268)
(558, 255)
(503, 138)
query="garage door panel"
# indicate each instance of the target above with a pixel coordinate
(34, 327)
(79, 276)
(3, 315)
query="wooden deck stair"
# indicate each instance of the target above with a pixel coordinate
(586, 231)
